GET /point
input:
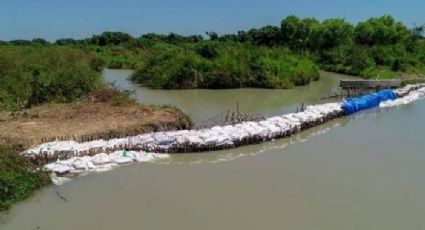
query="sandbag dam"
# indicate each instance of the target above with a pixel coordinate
(65, 159)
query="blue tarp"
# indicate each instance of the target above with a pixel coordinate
(353, 105)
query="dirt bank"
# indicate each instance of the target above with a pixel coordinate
(85, 120)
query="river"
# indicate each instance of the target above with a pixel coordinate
(360, 172)
(202, 104)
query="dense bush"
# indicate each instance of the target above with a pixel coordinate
(270, 56)
(33, 75)
(223, 65)
(375, 48)
(18, 177)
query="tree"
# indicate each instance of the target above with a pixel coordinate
(333, 33)
(66, 41)
(229, 38)
(112, 38)
(243, 36)
(213, 35)
(195, 38)
(20, 42)
(268, 35)
(174, 38)
(40, 41)
(381, 31)
(359, 60)
(418, 31)
(297, 33)
(154, 37)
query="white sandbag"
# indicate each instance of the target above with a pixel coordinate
(195, 140)
(90, 165)
(210, 140)
(68, 162)
(116, 154)
(222, 140)
(409, 98)
(80, 164)
(61, 169)
(163, 139)
(131, 154)
(144, 157)
(121, 157)
(84, 163)
(145, 139)
(180, 140)
(122, 160)
(283, 126)
(101, 159)
(49, 167)
(217, 128)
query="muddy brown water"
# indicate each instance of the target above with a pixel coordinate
(360, 172)
(203, 104)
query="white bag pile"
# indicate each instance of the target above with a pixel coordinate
(409, 98)
(217, 136)
(407, 89)
(100, 162)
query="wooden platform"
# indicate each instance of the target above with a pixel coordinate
(370, 84)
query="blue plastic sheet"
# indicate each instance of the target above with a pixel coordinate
(354, 105)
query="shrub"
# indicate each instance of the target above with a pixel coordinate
(32, 75)
(223, 65)
(18, 177)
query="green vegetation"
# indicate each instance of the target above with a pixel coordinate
(38, 71)
(18, 177)
(377, 48)
(277, 57)
(32, 75)
(272, 56)
(212, 64)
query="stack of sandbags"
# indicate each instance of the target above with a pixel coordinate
(100, 162)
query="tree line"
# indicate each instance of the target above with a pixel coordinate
(270, 56)
(377, 47)
(297, 33)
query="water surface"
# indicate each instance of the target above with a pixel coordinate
(360, 172)
(202, 104)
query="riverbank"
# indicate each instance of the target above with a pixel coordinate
(105, 114)
(87, 120)
(20, 177)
